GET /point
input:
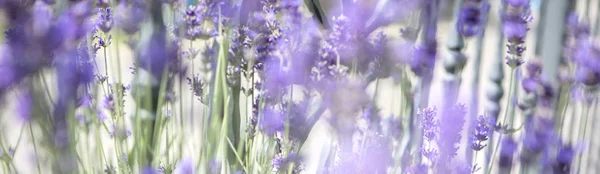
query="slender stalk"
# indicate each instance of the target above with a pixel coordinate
(563, 113)
(35, 149)
(508, 105)
(192, 83)
(105, 65)
(584, 122)
(46, 88)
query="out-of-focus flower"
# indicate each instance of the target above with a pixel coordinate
(472, 17)
(429, 123)
(119, 132)
(515, 19)
(451, 124)
(507, 151)
(281, 163)
(532, 82)
(536, 140)
(41, 18)
(130, 15)
(24, 106)
(103, 3)
(105, 19)
(423, 60)
(271, 121)
(185, 166)
(198, 22)
(582, 52)
(564, 158)
(148, 170)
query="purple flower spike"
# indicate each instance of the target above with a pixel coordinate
(481, 134)
(518, 3)
(564, 158)
(508, 149)
(429, 122)
(472, 17)
(130, 16)
(271, 121)
(105, 19)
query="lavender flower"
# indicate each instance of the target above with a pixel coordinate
(536, 140)
(515, 29)
(42, 18)
(481, 134)
(429, 123)
(424, 57)
(472, 17)
(197, 86)
(583, 53)
(105, 19)
(451, 124)
(564, 158)
(129, 15)
(430, 131)
(507, 151)
(185, 166)
(271, 121)
(532, 81)
(25, 106)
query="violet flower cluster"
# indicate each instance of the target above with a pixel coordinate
(284, 86)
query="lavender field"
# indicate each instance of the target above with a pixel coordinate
(299, 86)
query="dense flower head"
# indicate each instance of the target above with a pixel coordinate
(334, 60)
(481, 133)
(507, 151)
(105, 19)
(451, 124)
(424, 58)
(515, 22)
(430, 123)
(586, 57)
(577, 28)
(185, 166)
(272, 121)
(515, 28)
(564, 158)
(130, 15)
(197, 85)
(518, 3)
(532, 81)
(42, 15)
(472, 17)
(537, 139)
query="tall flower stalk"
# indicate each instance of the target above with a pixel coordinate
(287, 86)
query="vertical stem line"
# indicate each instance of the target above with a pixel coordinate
(583, 121)
(508, 99)
(35, 149)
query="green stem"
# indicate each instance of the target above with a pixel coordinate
(583, 121)
(508, 105)
(563, 113)
(106, 67)
(46, 88)
(35, 149)
(192, 83)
